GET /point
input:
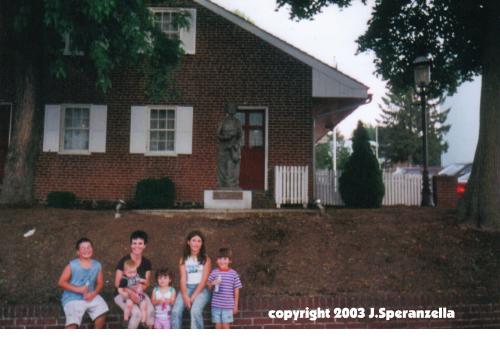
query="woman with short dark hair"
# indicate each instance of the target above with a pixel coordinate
(138, 241)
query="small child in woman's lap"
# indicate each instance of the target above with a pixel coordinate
(132, 283)
(163, 297)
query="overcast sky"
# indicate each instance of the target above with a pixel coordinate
(330, 37)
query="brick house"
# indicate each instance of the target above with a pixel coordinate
(100, 145)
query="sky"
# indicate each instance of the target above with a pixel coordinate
(331, 37)
(464, 121)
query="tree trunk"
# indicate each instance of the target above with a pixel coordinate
(19, 177)
(481, 204)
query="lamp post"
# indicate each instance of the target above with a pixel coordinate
(422, 75)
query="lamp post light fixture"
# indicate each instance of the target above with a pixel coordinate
(422, 75)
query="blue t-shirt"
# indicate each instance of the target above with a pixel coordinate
(81, 276)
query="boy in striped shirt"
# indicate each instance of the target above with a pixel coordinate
(226, 286)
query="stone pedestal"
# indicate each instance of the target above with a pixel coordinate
(227, 199)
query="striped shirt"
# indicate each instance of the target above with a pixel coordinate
(224, 298)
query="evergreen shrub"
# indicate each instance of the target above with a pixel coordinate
(361, 184)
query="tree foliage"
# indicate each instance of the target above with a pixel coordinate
(401, 135)
(103, 36)
(361, 184)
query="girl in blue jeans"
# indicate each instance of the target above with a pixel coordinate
(194, 267)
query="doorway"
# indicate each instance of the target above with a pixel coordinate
(253, 152)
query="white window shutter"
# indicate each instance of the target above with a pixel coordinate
(138, 129)
(184, 130)
(51, 128)
(188, 34)
(97, 135)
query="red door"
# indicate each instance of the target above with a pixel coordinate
(4, 136)
(253, 155)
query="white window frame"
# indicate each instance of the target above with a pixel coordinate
(187, 35)
(170, 10)
(149, 152)
(63, 127)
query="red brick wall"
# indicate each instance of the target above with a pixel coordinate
(470, 312)
(446, 191)
(230, 65)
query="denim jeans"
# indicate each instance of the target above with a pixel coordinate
(196, 308)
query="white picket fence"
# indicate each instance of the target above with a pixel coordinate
(402, 189)
(327, 188)
(399, 189)
(291, 185)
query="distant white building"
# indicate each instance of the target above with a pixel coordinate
(464, 121)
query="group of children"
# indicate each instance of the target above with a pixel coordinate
(82, 281)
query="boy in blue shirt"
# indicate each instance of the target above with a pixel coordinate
(82, 280)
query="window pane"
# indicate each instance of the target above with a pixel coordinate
(83, 121)
(256, 119)
(241, 117)
(162, 136)
(168, 21)
(76, 140)
(170, 145)
(76, 128)
(162, 114)
(170, 123)
(162, 124)
(256, 138)
(154, 124)
(154, 114)
(153, 146)
(165, 23)
(170, 136)
(68, 118)
(154, 136)
(68, 139)
(162, 146)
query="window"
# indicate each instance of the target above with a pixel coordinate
(252, 124)
(162, 130)
(76, 128)
(256, 137)
(165, 20)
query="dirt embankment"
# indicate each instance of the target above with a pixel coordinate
(404, 250)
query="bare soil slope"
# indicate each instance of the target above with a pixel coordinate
(403, 250)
